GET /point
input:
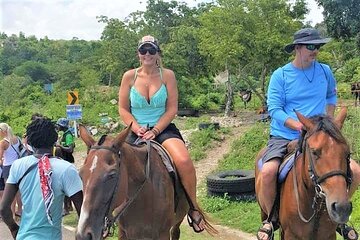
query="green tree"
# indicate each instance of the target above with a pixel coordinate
(37, 71)
(247, 37)
(119, 50)
(341, 17)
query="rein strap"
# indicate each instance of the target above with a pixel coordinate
(111, 218)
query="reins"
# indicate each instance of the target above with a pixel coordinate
(111, 219)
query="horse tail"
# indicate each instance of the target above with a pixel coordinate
(208, 227)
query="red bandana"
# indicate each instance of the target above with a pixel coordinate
(45, 173)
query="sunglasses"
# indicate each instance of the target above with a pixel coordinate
(312, 47)
(150, 50)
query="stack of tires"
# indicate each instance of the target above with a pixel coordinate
(236, 184)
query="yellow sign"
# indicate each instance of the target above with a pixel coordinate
(73, 97)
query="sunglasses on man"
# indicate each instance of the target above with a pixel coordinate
(150, 50)
(312, 47)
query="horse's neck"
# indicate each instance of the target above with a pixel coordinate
(134, 159)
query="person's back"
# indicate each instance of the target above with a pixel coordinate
(68, 141)
(34, 223)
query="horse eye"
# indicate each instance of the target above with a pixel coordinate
(111, 175)
(316, 153)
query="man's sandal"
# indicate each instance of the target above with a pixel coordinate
(344, 231)
(267, 231)
(195, 221)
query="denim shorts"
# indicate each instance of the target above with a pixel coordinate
(276, 148)
(171, 131)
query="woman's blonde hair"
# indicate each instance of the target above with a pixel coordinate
(4, 127)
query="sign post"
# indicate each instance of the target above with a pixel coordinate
(73, 109)
(74, 112)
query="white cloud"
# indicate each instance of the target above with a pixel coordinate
(65, 19)
(315, 14)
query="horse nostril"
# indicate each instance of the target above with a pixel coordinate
(345, 208)
(90, 235)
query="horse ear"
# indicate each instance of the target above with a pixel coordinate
(85, 136)
(340, 118)
(121, 137)
(308, 124)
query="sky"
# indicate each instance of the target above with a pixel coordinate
(65, 19)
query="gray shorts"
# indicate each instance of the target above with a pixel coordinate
(276, 148)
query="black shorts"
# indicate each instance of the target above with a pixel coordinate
(2, 182)
(6, 171)
(171, 131)
(276, 148)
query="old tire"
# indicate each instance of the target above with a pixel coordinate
(232, 182)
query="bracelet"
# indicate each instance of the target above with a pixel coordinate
(156, 131)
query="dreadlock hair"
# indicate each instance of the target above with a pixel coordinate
(41, 133)
(36, 115)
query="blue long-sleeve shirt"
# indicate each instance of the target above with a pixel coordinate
(308, 91)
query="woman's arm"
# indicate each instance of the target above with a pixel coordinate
(124, 103)
(3, 146)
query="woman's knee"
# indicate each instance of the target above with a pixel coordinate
(184, 164)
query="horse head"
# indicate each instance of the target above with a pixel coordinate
(327, 156)
(102, 175)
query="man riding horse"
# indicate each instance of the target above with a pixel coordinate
(308, 87)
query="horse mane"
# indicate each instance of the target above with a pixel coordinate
(325, 123)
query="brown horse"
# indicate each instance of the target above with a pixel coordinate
(128, 184)
(314, 197)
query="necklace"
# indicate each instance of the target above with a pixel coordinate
(313, 73)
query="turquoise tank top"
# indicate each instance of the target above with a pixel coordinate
(148, 113)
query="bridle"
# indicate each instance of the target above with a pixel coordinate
(320, 195)
(110, 218)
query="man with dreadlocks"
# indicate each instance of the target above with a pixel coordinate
(43, 181)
